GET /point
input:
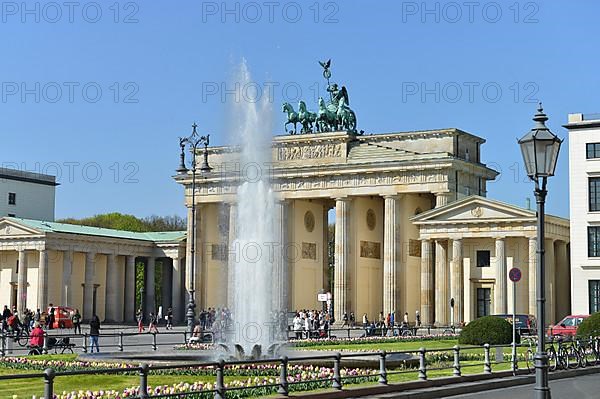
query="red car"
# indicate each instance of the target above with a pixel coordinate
(567, 327)
(62, 316)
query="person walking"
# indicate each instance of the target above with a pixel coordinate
(418, 318)
(76, 319)
(94, 334)
(169, 319)
(152, 325)
(140, 320)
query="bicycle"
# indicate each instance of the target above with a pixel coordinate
(554, 361)
(567, 355)
(530, 354)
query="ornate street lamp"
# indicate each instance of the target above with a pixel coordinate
(193, 142)
(540, 149)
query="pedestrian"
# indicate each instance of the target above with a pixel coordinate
(76, 319)
(418, 318)
(51, 318)
(140, 320)
(352, 319)
(405, 320)
(94, 334)
(152, 323)
(345, 320)
(36, 337)
(365, 321)
(169, 319)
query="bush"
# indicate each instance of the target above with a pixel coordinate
(590, 327)
(486, 330)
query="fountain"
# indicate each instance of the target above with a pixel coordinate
(252, 264)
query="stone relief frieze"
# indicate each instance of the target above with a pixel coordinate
(309, 152)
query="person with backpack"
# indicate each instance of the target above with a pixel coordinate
(94, 334)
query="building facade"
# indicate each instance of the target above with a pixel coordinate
(27, 195)
(88, 268)
(382, 188)
(584, 180)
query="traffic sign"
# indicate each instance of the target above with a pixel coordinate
(514, 274)
(322, 297)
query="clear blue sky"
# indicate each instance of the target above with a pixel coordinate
(167, 61)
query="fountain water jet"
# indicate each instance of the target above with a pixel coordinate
(253, 258)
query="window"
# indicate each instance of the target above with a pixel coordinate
(12, 199)
(483, 258)
(593, 241)
(483, 301)
(594, 293)
(592, 150)
(594, 193)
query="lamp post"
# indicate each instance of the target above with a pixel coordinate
(540, 149)
(193, 142)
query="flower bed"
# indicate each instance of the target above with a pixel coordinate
(255, 386)
(369, 340)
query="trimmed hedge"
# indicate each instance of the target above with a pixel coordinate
(589, 327)
(486, 330)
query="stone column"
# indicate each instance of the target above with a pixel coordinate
(391, 254)
(178, 308)
(88, 287)
(427, 282)
(456, 281)
(67, 295)
(342, 249)
(167, 284)
(562, 293)
(441, 199)
(150, 304)
(232, 253)
(532, 249)
(112, 282)
(441, 283)
(326, 282)
(501, 291)
(42, 291)
(22, 283)
(550, 281)
(129, 288)
(280, 287)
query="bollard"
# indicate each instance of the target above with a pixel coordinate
(3, 345)
(154, 341)
(49, 383)
(144, 381)
(382, 369)
(185, 339)
(487, 365)
(515, 364)
(348, 330)
(337, 378)
(220, 385)
(283, 382)
(45, 346)
(422, 366)
(85, 342)
(456, 361)
(120, 341)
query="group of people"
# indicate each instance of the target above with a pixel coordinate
(11, 321)
(154, 320)
(311, 323)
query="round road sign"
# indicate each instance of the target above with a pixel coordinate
(514, 274)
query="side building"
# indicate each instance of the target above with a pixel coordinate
(27, 194)
(584, 177)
